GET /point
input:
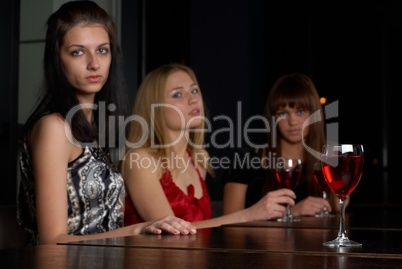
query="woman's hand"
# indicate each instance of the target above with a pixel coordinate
(310, 206)
(272, 205)
(169, 224)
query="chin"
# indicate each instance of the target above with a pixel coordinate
(195, 124)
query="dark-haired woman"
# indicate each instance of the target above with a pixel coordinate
(70, 189)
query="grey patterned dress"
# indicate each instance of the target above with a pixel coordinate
(95, 194)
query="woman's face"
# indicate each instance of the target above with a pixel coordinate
(183, 102)
(290, 123)
(85, 55)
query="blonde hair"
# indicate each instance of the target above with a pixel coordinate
(151, 92)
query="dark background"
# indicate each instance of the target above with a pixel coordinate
(238, 49)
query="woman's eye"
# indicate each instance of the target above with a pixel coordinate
(281, 114)
(176, 95)
(195, 91)
(300, 111)
(76, 52)
(103, 51)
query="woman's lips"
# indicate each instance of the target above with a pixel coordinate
(294, 132)
(93, 79)
(195, 112)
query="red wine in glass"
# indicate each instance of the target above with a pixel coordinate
(288, 173)
(342, 166)
(320, 181)
(288, 178)
(343, 179)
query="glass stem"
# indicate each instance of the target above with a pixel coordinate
(288, 212)
(324, 196)
(342, 230)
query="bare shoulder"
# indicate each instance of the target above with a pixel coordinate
(52, 128)
(52, 121)
(50, 140)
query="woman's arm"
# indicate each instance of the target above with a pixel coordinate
(169, 224)
(234, 197)
(149, 198)
(271, 206)
(141, 173)
(51, 152)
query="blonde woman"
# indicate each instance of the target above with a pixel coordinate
(165, 164)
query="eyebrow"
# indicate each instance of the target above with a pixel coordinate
(83, 46)
(181, 87)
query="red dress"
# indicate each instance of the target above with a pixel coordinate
(184, 206)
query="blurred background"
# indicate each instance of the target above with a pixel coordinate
(237, 49)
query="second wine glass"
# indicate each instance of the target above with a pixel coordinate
(288, 173)
(320, 181)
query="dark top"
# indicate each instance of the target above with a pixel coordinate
(246, 168)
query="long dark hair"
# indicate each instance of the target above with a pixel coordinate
(58, 94)
(297, 89)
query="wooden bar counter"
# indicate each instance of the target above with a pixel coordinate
(265, 239)
(265, 244)
(92, 257)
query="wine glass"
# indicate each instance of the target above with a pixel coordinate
(288, 173)
(320, 181)
(342, 166)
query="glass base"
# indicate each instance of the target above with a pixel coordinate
(341, 242)
(324, 215)
(288, 219)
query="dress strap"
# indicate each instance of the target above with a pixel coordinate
(195, 165)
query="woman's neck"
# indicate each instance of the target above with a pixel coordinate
(87, 99)
(180, 145)
(291, 150)
(180, 157)
(180, 149)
